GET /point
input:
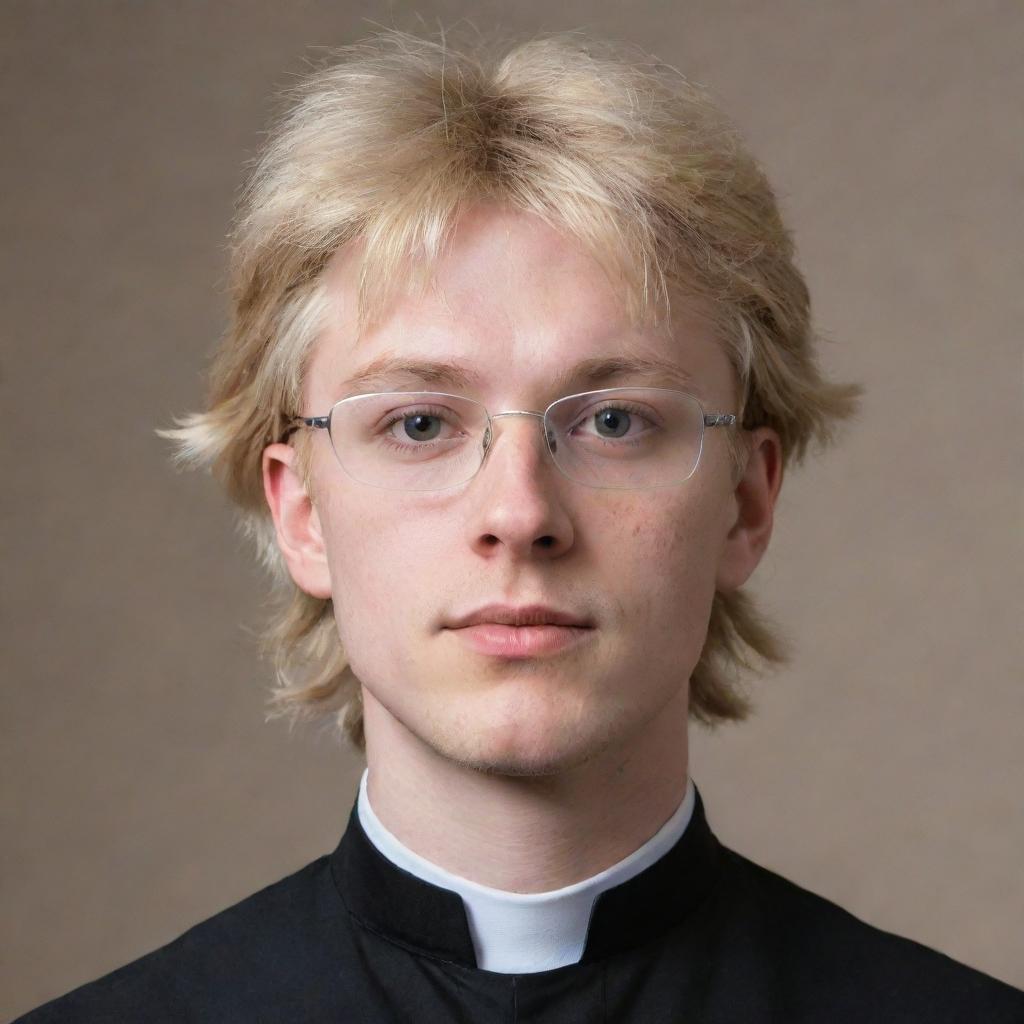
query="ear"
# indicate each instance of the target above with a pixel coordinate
(754, 503)
(296, 521)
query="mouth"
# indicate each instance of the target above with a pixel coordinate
(502, 640)
(520, 615)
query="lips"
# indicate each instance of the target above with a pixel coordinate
(527, 631)
(523, 615)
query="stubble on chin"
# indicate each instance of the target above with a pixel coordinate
(522, 741)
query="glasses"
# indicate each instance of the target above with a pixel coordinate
(616, 438)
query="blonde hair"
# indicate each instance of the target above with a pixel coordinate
(386, 144)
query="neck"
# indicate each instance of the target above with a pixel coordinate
(526, 834)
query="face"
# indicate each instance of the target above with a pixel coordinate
(517, 305)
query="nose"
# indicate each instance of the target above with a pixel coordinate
(519, 493)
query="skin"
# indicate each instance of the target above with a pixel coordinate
(533, 774)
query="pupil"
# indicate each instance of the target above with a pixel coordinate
(614, 419)
(421, 427)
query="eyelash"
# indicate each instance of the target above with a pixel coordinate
(405, 414)
(629, 407)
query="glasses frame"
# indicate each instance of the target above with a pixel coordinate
(708, 419)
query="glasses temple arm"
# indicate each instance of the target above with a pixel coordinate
(719, 419)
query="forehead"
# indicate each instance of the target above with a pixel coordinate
(514, 309)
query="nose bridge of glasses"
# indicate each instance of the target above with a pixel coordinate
(489, 433)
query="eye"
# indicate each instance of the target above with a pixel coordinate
(422, 426)
(419, 426)
(615, 421)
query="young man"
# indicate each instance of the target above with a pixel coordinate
(520, 354)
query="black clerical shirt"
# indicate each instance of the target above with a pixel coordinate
(703, 936)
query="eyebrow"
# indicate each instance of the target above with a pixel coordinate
(389, 372)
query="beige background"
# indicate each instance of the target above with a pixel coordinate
(142, 791)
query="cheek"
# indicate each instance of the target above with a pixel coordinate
(667, 535)
(357, 551)
(667, 561)
(382, 563)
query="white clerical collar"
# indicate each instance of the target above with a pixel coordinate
(521, 933)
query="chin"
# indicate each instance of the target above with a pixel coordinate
(527, 739)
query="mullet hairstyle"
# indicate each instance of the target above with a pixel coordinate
(386, 144)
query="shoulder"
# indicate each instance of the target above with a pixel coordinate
(825, 959)
(253, 957)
